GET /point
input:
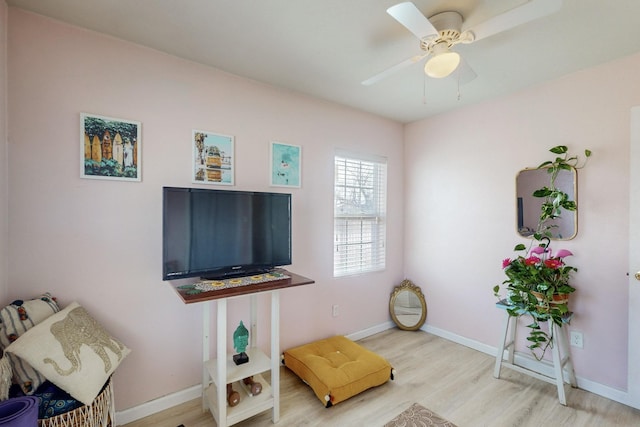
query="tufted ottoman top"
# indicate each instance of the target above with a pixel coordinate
(337, 368)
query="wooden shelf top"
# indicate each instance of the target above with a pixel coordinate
(293, 280)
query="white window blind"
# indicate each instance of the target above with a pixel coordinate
(360, 205)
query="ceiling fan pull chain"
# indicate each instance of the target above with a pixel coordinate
(424, 89)
(458, 80)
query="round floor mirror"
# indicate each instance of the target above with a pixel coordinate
(407, 306)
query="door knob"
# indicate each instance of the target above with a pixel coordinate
(637, 275)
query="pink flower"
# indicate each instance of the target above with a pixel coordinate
(532, 260)
(563, 253)
(506, 263)
(553, 263)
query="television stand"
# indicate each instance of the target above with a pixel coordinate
(220, 371)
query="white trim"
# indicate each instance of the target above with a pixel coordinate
(157, 405)
(367, 157)
(633, 370)
(528, 362)
(370, 331)
(166, 402)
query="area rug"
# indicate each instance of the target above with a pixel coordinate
(418, 416)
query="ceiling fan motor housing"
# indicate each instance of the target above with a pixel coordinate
(449, 27)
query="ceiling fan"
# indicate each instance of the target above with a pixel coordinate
(439, 33)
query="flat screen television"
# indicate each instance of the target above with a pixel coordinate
(217, 234)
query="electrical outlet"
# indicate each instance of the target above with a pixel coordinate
(334, 310)
(576, 339)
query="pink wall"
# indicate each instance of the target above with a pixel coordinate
(459, 204)
(99, 242)
(4, 207)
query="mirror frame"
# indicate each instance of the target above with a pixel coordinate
(407, 285)
(567, 220)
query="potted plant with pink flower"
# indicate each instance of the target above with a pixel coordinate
(537, 285)
(537, 281)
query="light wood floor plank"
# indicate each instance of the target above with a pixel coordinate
(451, 380)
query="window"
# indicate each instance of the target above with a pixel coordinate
(360, 205)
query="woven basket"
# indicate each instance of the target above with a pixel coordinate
(101, 413)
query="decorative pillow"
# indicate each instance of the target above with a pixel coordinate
(17, 318)
(72, 351)
(20, 316)
(54, 401)
(337, 368)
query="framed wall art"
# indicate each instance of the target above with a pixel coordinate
(212, 158)
(110, 148)
(286, 163)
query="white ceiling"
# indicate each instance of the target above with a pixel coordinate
(326, 48)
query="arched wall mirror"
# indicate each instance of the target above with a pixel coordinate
(528, 207)
(407, 306)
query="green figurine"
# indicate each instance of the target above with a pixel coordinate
(240, 341)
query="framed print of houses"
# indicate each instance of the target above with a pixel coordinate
(110, 148)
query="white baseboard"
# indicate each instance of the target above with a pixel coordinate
(177, 398)
(371, 331)
(530, 363)
(158, 405)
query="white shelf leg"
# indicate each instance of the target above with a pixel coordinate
(253, 326)
(557, 362)
(275, 353)
(222, 362)
(501, 347)
(206, 322)
(565, 354)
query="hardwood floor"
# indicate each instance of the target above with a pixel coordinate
(451, 380)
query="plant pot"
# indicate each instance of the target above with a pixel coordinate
(557, 299)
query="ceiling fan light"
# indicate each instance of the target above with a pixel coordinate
(442, 64)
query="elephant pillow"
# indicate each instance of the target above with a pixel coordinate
(16, 319)
(72, 351)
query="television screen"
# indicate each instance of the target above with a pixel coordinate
(218, 233)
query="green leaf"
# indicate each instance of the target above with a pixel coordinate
(542, 192)
(587, 153)
(520, 247)
(516, 298)
(542, 165)
(560, 149)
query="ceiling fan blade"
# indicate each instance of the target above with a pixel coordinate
(389, 71)
(408, 15)
(530, 11)
(463, 73)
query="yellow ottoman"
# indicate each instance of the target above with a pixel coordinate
(337, 368)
